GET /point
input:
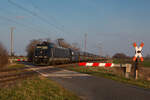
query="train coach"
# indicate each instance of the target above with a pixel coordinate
(48, 54)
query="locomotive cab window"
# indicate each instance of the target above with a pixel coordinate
(44, 47)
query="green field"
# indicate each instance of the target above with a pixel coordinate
(145, 63)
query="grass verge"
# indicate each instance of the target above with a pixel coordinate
(15, 66)
(36, 88)
(145, 63)
(109, 74)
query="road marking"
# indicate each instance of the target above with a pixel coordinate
(60, 73)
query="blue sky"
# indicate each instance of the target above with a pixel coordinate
(112, 25)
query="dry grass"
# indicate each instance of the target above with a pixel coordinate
(144, 73)
(36, 88)
(3, 56)
(12, 73)
(17, 83)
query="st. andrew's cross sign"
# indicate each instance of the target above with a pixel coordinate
(138, 51)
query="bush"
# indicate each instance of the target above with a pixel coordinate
(120, 56)
(3, 56)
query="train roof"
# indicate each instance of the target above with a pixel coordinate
(50, 45)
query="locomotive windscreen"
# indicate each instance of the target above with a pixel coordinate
(41, 51)
(42, 47)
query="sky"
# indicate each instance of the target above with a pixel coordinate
(111, 25)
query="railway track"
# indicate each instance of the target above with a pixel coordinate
(9, 77)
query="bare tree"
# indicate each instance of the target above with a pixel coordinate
(75, 46)
(48, 40)
(64, 44)
(3, 56)
(31, 48)
(120, 56)
(147, 56)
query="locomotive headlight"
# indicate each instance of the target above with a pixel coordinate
(72, 53)
(45, 56)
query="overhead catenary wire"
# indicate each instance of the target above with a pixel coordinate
(35, 14)
(6, 18)
(30, 28)
(48, 16)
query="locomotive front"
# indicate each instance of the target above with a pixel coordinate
(41, 54)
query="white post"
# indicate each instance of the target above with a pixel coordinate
(128, 70)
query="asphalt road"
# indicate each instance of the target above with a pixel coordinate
(94, 88)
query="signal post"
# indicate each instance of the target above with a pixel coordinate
(138, 56)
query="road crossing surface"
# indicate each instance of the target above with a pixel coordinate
(93, 88)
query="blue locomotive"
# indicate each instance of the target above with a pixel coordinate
(47, 54)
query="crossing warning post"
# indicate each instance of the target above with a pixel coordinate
(138, 56)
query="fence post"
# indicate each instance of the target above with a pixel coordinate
(128, 70)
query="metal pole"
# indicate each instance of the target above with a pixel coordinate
(100, 49)
(85, 42)
(136, 69)
(12, 47)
